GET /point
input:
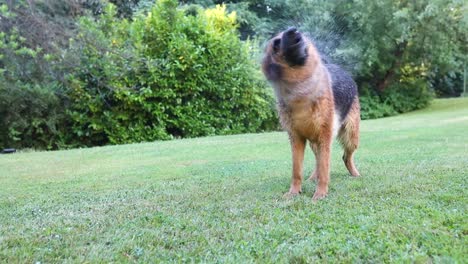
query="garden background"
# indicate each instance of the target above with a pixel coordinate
(90, 73)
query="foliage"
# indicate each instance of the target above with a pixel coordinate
(33, 37)
(165, 75)
(409, 93)
(406, 96)
(373, 107)
(396, 35)
(30, 107)
(121, 81)
(30, 115)
(448, 84)
(375, 40)
(125, 8)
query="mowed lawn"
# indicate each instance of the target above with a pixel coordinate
(219, 199)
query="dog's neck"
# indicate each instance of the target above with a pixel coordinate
(309, 89)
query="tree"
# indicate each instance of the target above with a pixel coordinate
(406, 37)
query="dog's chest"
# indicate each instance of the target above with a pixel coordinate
(301, 116)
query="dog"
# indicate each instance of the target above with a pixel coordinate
(316, 102)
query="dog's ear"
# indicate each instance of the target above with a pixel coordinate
(276, 45)
(271, 69)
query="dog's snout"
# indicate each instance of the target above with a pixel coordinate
(291, 31)
(291, 37)
(293, 47)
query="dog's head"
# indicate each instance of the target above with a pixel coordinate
(289, 56)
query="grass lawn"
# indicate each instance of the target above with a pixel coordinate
(219, 199)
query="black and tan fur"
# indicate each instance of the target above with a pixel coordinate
(316, 102)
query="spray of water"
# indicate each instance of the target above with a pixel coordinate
(330, 36)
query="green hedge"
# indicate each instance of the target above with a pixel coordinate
(164, 75)
(406, 95)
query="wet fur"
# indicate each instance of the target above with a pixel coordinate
(316, 102)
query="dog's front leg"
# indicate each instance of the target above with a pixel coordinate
(323, 169)
(297, 148)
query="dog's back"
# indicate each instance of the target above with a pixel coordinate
(344, 89)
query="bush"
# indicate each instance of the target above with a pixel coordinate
(407, 94)
(164, 75)
(31, 112)
(30, 116)
(410, 91)
(449, 84)
(372, 107)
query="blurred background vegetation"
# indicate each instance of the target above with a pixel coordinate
(95, 72)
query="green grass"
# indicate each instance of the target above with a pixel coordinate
(219, 199)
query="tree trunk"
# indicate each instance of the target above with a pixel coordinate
(390, 74)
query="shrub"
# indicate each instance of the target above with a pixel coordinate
(372, 107)
(163, 75)
(30, 109)
(410, 91)
(30, 116)
(407, 94)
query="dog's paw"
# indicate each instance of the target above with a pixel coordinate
(318, 195)
(291, 193)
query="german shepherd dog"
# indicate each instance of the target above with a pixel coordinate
(316, 102)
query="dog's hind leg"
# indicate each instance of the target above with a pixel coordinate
(349, 137)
